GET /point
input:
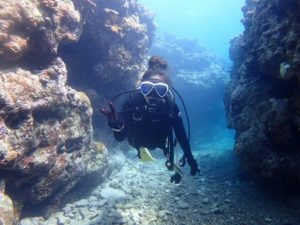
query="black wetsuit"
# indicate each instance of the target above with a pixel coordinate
(148, 124)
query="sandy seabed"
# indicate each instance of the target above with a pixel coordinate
(141, 193)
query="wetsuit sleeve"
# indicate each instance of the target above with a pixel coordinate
(123, 116)
(181, 134)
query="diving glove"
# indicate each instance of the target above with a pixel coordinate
(176, 178)
(114, 122)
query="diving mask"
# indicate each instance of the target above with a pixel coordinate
(161, 88)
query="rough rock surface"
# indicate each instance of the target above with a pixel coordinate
(46, 135)
(112, 48)
(6, 207)
(262, 99)
(32, 30)
(46, 142)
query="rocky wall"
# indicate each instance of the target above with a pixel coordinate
(31, 31)
(112, 48)
(262, 99)
(46, 134)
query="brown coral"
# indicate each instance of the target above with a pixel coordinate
(30, 28)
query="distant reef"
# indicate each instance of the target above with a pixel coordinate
(190, 62)
(200, 76)
(46, 134)
(263, 97)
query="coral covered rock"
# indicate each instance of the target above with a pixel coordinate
(112, 48)
(46, 143)
(6, 207)
(34, 29)
(262, 99)
(46, 134)
(6, 210)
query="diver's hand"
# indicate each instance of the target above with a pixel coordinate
(109, 113)
(194, 166)
(114, 122)
(176, 178)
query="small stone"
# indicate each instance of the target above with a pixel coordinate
(227, 200)
(82, 203)
(6, 208)
(93, 198)
(67, 210)
(61, 220)
(33, 221)
(113, 195)
(216, 210)
(51, 221)
(268, 219)
(168, 213)
(161, 207)
(102, 202)
(205, 201)
(183, 205)
(161, 213)
(70, 215)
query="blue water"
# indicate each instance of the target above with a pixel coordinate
(207, 119)
(213, 23)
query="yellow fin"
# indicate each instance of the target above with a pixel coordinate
(178, 169)
(145, 155)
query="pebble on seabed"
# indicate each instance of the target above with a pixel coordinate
(158, 202)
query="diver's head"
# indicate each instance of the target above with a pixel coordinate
(157, 69)
(155, 82)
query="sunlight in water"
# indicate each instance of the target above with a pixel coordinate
(213, 22)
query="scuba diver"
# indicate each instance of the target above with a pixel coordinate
(148, 118)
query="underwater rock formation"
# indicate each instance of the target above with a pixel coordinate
(111, 50)
(46, 142)
(190, 62)
(46, 134)
(6, 207)
(262, 100)
(33, 30)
